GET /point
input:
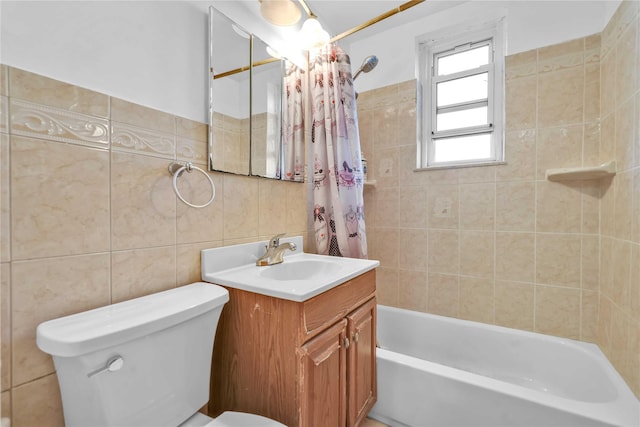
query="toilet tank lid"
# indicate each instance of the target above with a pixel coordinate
(104, 327)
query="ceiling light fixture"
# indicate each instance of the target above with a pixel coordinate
(312, 35)
(280, 12)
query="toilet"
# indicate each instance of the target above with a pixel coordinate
(145, 362)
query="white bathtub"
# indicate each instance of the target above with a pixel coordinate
(438, 371)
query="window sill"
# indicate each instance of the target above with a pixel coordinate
(460, 166)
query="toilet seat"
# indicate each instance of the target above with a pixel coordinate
(230, 419)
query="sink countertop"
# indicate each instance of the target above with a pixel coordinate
(300, 277)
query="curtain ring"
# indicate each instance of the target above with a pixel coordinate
(176, 169)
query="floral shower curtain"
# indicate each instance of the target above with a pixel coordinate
(293, 124)
(338, 215)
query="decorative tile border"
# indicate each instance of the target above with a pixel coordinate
(143, 141)
(134, 114)
(191, 151)
(54, 124)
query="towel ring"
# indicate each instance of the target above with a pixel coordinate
(176, 169)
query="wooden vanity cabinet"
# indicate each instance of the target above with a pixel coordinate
(305, 364)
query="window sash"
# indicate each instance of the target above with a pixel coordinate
(436, 81)
(445, 51)
(430, 51)
(492, 156)
(475, 115)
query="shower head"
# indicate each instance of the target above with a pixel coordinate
(368, 64)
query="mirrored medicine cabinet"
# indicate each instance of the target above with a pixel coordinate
(245, 101)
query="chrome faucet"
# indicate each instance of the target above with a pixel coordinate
(275, 251)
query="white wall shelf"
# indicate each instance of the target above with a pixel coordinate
(582, 173)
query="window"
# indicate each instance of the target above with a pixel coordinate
(461, 80)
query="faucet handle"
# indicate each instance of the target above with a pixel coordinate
(275, 240)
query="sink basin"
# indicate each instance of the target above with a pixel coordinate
(297, 268)
(300, 277)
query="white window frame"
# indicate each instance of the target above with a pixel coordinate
(429, 48)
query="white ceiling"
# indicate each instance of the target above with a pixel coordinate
(336, 16)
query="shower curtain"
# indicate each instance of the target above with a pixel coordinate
(293, 124)
(338, 215)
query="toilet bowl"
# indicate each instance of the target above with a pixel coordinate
(142, 362)
(231, 419)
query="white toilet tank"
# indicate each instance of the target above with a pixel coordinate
(142, 362)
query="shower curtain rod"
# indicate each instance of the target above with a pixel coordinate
(342, 35)
(305, 6)
(377, 19)
(245, 68)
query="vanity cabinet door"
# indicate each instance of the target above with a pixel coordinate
(323, 397)
(361, 383)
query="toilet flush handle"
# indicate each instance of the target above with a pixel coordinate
(114, 364)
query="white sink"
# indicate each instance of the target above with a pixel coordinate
(299, 267)
(301, 276)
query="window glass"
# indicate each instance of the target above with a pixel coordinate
(466, 60)
(461, 90)
(462, 119)
(472, 147)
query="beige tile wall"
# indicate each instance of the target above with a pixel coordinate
(618, 331)
(487, 240)
(89, 217)
(501, 244)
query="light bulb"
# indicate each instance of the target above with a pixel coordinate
(312, 34)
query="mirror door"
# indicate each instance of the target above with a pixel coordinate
(229, 95)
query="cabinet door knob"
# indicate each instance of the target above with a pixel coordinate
(346, 342)
(356, 336)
